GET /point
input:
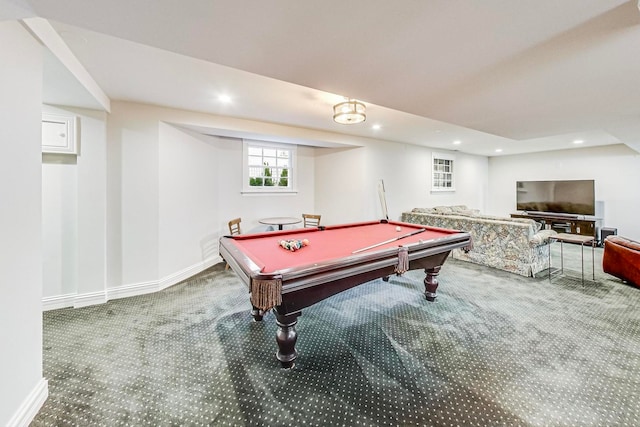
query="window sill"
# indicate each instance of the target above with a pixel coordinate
(268, 193)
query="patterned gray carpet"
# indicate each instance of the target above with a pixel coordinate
(495, 349)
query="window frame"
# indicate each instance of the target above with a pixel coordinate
(292, 170)
(435, 173)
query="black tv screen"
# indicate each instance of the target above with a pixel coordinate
(570, 197)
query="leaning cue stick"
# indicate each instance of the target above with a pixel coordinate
(388, 241)
(383, 199)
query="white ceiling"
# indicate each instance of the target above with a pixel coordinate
(525, 76)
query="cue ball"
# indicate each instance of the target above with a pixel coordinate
(398, 228)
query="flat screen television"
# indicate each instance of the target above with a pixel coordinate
(568, 197)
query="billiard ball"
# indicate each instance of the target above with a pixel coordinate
(398, 228)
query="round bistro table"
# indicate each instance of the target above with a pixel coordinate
(280, 221)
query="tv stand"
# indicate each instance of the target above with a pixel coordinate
(549, 215)
(564, 223)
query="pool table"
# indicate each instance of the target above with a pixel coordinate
(336, 258)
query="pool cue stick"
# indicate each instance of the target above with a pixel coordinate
(383, 199)
(388, 241)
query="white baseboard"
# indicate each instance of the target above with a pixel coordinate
(131, 290)
(179, 276)
(58, 301)
(31, 405)
(125, 291)
(89, 298)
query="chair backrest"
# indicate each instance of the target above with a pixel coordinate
(311, 220)
(234, 226)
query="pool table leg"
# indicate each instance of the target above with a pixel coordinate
(286, 337)
(431, 283)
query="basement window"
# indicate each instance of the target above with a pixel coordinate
(268, 167)
(442, 178)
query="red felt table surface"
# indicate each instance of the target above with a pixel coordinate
(332, 243)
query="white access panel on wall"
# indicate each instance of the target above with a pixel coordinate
(59, 134)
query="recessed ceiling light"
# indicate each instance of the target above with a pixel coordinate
(578, 141)
(457, 142)
(224, 98)
(498, 150)
(376, 126)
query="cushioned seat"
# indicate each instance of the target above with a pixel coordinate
(517, 245)
(621, 258)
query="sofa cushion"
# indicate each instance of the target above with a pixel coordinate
(448, 210)
(443, 210)
(624, 242)
(423, 210)
(541, 237)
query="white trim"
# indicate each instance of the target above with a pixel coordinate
(63, 142)
(44, 31)
(58, 301)
(128, 290)
(90, 298)
(271, 190)
(443, 156)
(132, 289)
(185, 273)
(30, 405)
(267, 193)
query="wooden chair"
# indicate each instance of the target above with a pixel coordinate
(234, 228)
(310, 220)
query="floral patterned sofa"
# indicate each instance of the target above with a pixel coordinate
(516, 245)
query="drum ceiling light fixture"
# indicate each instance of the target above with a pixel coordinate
(349, 112)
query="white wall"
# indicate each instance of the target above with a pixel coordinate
(74, 215)
(171, 193)
(132, 139)
(347, 181)
(188, 200)
(341, 194)
(59, 227)
(22, 387)
(114, 204)
(92, 204)
(615, 169)
(252, 207)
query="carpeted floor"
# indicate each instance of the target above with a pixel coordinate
(495, 349)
